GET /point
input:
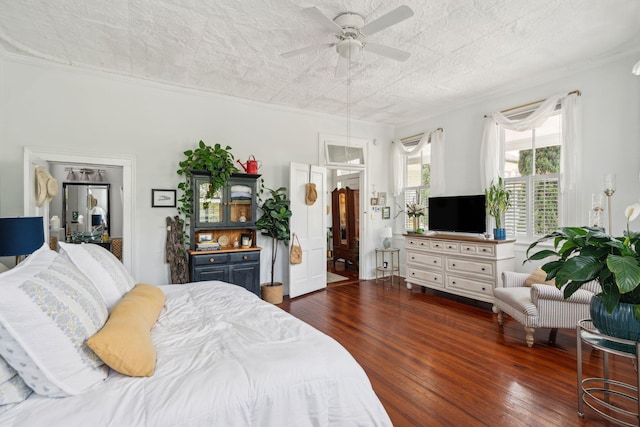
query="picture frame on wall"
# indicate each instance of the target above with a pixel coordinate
(163, 198)
(374, 201)
(382, 199)
(386, 212)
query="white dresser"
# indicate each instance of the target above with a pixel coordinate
(466, 266)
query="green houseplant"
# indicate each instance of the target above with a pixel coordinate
(216, 160)
(274, 223)
(584, 254)
(498, 200)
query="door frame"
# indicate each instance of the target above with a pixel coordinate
(362, 182)
(128, 165)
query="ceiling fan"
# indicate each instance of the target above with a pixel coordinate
(351, 34)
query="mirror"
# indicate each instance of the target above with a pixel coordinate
(85, 211)
(342, 206)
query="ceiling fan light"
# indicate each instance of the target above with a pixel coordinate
(349, 48)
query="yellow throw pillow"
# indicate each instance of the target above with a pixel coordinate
(124, 342)
(539, 276)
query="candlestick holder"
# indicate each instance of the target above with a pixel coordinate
(609, 187)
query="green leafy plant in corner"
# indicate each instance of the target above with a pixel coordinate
(587, 253)
(498, 200)
(274, 222)
(216, 160)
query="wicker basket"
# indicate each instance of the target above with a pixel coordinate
(272, 292)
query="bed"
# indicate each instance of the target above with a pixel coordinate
(223, 357)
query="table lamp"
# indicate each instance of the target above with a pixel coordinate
(21, 236)
(387, 234)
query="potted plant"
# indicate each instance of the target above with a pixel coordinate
(498, 201)
(274, 223)
(415, 211)
(216, 160)
(587, 253)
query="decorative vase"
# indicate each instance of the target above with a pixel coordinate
(272, 292)
(622, 323)
(500, 233)
(416, 224)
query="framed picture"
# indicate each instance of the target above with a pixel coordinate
(374, 201)
(386, 212)
(163, 198)
(205, 237)
(382, 199)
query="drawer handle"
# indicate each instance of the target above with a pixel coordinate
(413, 274)
(435, 262)
(411, 243)
(468, 249)
(422, 244)
(483, 288)
(454, 282)
(484, 250)
(211, 260)
(435, 278)
(482, 268)
(245, 257)
(450, 247)
(453, 265)
(413, 257)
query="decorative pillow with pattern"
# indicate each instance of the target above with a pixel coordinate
(104, 270)
(48, 310)
(13, 389)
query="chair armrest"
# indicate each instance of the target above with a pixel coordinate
(512, 279)
(548, 292)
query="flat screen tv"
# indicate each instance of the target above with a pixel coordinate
(462, 214)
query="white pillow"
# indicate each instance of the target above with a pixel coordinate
(48, 309)
(104, 270)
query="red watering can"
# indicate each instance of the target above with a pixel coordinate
(251, 167)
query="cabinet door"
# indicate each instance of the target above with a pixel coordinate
(201, 274)
(240, 202)
(208, 209)
(246, 275)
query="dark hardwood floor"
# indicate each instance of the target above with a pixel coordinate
(441, 361)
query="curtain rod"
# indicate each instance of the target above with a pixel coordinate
(418, 134)
(577, 92)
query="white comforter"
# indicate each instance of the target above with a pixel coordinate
(224, 358)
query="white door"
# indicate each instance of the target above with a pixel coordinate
(309, 223)
(31, 162)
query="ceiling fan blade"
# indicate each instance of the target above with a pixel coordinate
(399, 14)
(322, 19)
(305, 50)
(389, 52)
(341, 67)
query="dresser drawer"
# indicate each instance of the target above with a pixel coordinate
(424, 259)
(445, 246)
(426, 276)
(417, 244)
(477, 249)
(210, 259)
(237, 257)
(469, 285)
(478, 267)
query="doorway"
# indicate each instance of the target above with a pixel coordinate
(344, 228)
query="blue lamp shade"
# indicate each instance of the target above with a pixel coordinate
(21, 236)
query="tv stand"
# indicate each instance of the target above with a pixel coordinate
(462, 265)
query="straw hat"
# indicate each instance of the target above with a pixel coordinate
(46, 186)
(312, 194)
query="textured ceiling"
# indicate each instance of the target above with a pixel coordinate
(461, 50)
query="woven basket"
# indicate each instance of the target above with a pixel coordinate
(272, 292)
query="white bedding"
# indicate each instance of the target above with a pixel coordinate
(224, 358)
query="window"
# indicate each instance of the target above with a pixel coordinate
(417, 180)
(531, 169)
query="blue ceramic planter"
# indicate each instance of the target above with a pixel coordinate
(500, 233)
(622, 323)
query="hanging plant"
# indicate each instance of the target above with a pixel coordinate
(216, 160)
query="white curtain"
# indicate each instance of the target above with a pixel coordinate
(399, 161)
(569, 160)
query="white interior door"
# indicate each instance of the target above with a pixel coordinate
(309, 223)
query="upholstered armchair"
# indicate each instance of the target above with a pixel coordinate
(541, 305)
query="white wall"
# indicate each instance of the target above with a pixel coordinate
(53, 106)
(610, 130)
